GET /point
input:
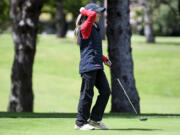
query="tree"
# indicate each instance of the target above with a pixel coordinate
(59, 9)
(148, 8)
(24, 15)
(119, 49)
(161, 17)
(93, 1)
(61, 24)
(102, 20)
(179, 6)
(148, 22)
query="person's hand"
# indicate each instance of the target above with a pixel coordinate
(108, 63)
(82, 8)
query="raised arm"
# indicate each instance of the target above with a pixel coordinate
(86, 27)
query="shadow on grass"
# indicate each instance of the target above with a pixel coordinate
(74, 115)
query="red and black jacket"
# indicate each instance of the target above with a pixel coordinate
(90, 44)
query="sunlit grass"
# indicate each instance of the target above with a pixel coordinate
(56, 79)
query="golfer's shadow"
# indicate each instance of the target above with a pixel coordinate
(131, 129)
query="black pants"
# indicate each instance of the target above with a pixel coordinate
(89, 80)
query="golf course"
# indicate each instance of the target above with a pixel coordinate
(57, 82)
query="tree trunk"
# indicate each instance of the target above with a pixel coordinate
(93, 1)
(24, 15)
(179, 6)
(102, 21)
(148, 26)
(61, 24)
(119, 49)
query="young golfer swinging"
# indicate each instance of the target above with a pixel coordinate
(88, 37)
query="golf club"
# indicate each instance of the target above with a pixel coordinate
(140, 118)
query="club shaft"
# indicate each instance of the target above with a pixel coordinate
(127, 96)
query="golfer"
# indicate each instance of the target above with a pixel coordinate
(88, 37)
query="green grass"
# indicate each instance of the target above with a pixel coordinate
(62, 123)
(56, 85)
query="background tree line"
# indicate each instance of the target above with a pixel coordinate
(162, 17)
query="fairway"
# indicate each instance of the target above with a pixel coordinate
(56, 85)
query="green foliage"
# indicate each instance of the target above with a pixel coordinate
(4, 15)
(50, 6)
(165, 17)
(168, 20)
(73, 6)
(69, 6)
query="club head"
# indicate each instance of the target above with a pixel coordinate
(143, 119)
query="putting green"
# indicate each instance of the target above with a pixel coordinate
(63, 123)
